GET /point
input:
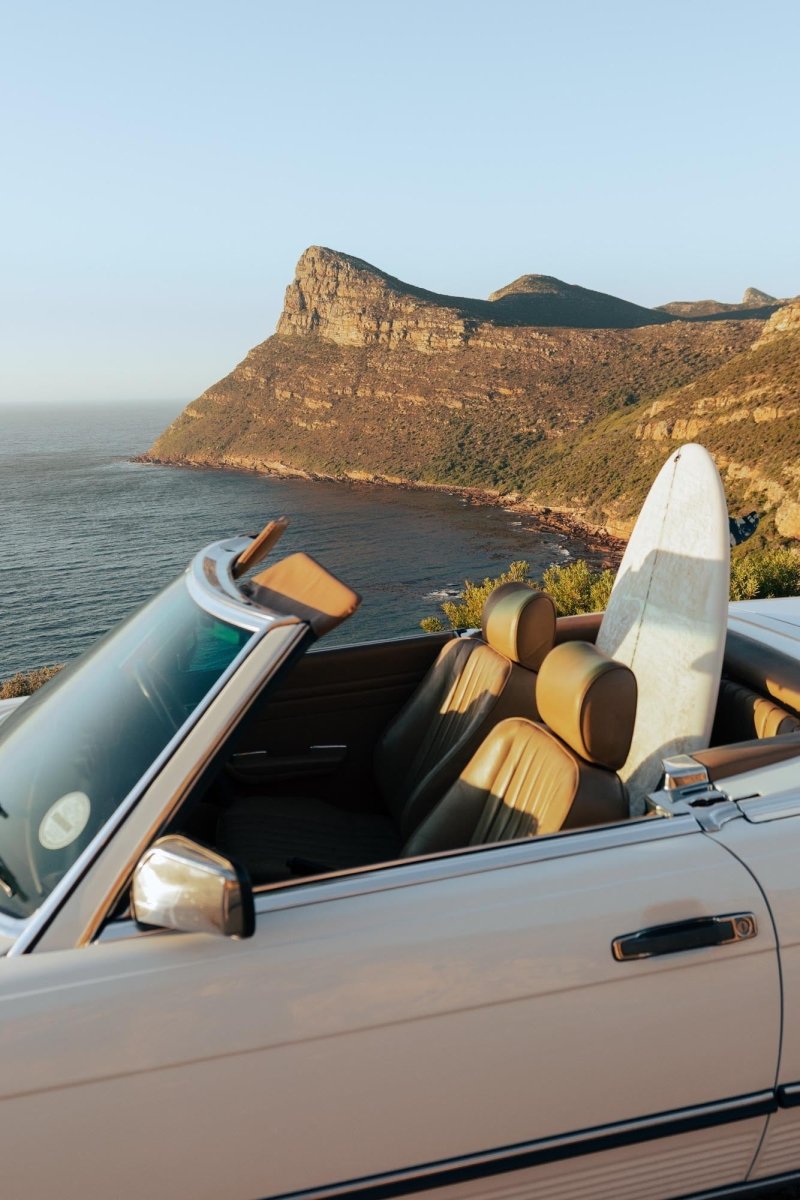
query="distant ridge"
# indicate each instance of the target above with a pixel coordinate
(543, 300)
(331, 287)
(755, 303)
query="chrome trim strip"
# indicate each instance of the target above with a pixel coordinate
(321, 647)
(384, 877)
(788, 1095)
(123, 929)
(31, 930)
(757, 1188)
(527, 1155)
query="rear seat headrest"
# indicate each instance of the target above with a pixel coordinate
(589, 701)
(520, 624)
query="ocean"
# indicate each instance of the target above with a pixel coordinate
(88, 535)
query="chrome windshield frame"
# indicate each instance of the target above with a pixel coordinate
(209, 578)
(210, 584)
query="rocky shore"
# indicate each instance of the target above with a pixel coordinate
(597, 540)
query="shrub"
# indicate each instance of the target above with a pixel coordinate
(465, 612)
(576, 588)
(761, 574)
(26, 682)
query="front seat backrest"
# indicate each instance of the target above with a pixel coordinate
(531, 778)
(473, 684)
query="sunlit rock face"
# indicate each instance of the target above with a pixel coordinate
(346, 301)
(555, 393)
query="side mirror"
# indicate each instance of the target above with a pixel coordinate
(178, 884)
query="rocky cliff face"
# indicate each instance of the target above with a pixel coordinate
(752, 390)
(749, 413)
(351, 303)
(370, 378)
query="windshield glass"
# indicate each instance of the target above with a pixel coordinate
(70, 754)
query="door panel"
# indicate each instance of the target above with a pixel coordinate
(343, 697)
(419, 1022)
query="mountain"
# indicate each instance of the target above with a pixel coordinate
(368, 377)
(353, 303)
(543, 300)
(753, 297)
(755, 303)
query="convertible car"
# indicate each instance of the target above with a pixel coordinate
(375, 920)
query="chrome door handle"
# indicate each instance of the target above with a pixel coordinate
(684, 935)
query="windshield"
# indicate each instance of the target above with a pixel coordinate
(70, 754)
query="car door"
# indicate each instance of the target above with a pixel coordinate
(431, 1026)
(766, 838)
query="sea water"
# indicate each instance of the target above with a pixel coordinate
(87, 535)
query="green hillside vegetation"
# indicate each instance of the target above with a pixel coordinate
(765, 573)
(577, 588)
(468, 418)
(746, 412)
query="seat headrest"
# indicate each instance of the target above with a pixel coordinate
(520, 624)
(589, 701)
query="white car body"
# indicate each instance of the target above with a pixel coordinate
(8, 706)
(455, 1025)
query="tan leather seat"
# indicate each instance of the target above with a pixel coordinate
(473, 684)
(530, 778)
(743, 714)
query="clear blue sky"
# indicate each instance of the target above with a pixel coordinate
(165, 163)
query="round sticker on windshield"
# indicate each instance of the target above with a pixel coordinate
(64, 821)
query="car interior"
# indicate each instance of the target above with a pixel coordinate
(384, 751)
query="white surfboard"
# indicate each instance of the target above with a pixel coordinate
(667, 614)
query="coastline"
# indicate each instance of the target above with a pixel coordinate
(597, 540)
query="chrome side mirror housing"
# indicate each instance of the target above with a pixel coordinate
(178, 884)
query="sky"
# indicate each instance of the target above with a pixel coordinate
(164, 164)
